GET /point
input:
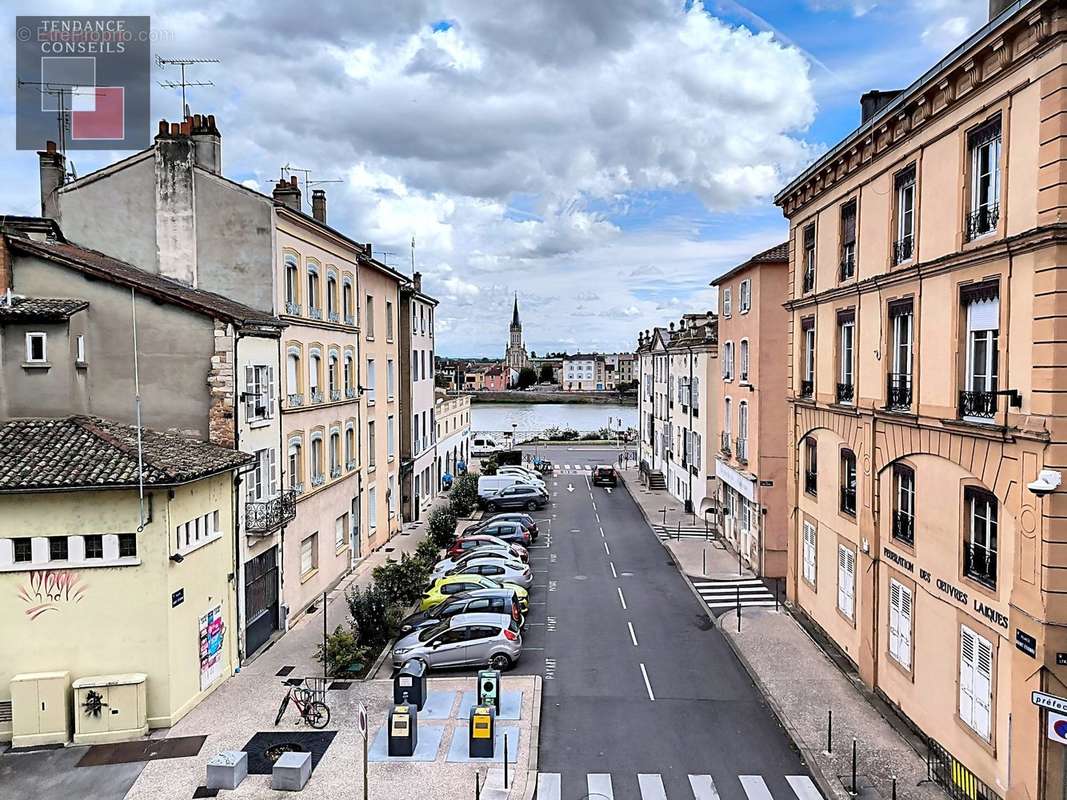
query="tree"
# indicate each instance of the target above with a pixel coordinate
(546, 374)
(440, 381)
(527, 377)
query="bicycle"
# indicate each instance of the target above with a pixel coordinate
(314, 712)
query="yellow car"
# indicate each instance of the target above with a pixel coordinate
(443, 588)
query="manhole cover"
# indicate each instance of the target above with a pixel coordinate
(276, 751)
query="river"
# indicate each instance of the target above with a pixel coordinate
(539, 416)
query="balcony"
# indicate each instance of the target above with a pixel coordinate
(350, 393)
(845, 392)
(318, 480)
(848, 499)
(982, 220)
(978, 405)
(264, 517)
(809, 280)
(293, 308)
(316, 396)
(315, 313)
(848, 267)
(335, 472)
(335, 395)
(980, 564)
(902, 249)
(297, 488)
(898, 391)
(294, 400)
(334, 316)
(742, 449)
(350, 464)
(724, 441)
(807, 389)
(904, 527)
(349, 319)
(811, 482)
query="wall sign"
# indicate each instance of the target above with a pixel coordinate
(897, 559)
(1057, 727)
(177, 598)
(1061, 659)
(1049, 701)
(766, 483)
(212, 633)
(1025, 643)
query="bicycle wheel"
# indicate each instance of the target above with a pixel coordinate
(317, 714)
(282, 707)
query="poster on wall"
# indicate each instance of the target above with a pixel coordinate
(212, 631)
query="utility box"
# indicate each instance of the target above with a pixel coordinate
(403, 730)
(489, 689)
(40, 709)
(409, 685)
(110, 708)
(481, 732)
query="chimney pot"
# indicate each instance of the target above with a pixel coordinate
(293, 182)
(417, 280)
(53, 174)
(162, 127)
(175, 129)
(318, 205)
(288, 194)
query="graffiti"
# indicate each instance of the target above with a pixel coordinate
(49, 590)
(94, 703)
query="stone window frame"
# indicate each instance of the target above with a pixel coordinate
(317, 434)
(295, 348)
(296, 439)
(298, 298)
(348, 308)
(312, 266)
(331, 292)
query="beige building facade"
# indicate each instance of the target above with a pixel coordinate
(453, 432)
(927, 434)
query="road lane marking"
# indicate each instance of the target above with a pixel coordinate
(621, 598)
(755, 787)
(648, 686)
(607, 549)
(599, 785)
(548, 786)
(633, 635)
(651, 787)
(614, 574)
(803, 787)
(594, 506)
(703, 787)
(597, 518)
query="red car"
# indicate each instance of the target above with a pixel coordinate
(468, 543)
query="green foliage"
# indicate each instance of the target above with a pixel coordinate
(441, 528)
(428, 552)
(490, 466)
(464, 495)
(370, 612)
(546, 374)
(527, 377)
(343, 652)
(401, 581)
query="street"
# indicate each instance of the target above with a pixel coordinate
(643, 697)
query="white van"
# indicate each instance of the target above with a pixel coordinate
(484, 445)
(489, 485)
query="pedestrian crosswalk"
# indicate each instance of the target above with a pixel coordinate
(673, 532)
(574, 469)
(721, 595)
(602, 785)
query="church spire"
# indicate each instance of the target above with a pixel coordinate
(515, 313)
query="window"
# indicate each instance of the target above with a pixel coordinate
(390, 437)
(984, 146)
(372, 506)
(848, 482)
(317, 475)
(335, 454)
(57, 548)
(259, 392)
(809, 258)
(904, 246)
(846, 334)
(261, 476)
(340, 531)
(811, 466)
(848, 240)
(350, 376)
(79, 349)
(726, 302)
(900, 605)
(292, 285)
(414, 366)
(332, 314)
(309, 555)
(350, 447)
(976, 682)
(744, 296)
(314, 374)
(371, 451)
(292, 379)
(726, 424)
(23, 549)
(810, 561)
(127, 545)
(728, 361)
(296, 468)
(904, 504)
(314, 303)
(846, 581)
(390, 494)
(898, 385)
(371, 380)
(807, 377)
(332, 377)
(980, 549)
(978, 400)
(742, 431)
(742, 369)
(390, 379)
(346, 303)
(36, 348)
(368, 322)
(389, 320)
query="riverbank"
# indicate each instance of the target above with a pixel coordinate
(601, 398)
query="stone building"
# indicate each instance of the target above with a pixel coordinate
(515, 357)
(418, 430)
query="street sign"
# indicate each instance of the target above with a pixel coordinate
(1061, 659)
(362, 717)
(1057, 727)
(1049, 701)
(1025, 643)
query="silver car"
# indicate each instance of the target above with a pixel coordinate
(446, 565)
(465, 640)
(511, 571)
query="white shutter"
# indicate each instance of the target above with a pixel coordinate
(967, 648)
(894, 619)
(846, 581)
(272, 472)
(982, 688)
(850, 560)
(250, 392)
(270, 392)
(809, 552)
(841, 601)
(984, 315)
(904, 633)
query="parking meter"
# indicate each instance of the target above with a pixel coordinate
(403, 730)
(489, 688)
(481, 732)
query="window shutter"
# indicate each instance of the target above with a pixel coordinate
(841, 578)
(967, 648)
(270, 392)
(894, 619)
(982, 688)
(250, 392)
(850, 559)
(904, 633)
(272, 472)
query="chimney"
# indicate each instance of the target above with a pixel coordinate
(996, 7)
(207, 142)
(175, 222)
(417, 279)
(318, 205)
(288, 193)
(369, 250)
(874, 101)
(53, 176)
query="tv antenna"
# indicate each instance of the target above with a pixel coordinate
(308, 183)
(182, 63)
(61, 91)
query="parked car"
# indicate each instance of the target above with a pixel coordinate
(526, 475)
(513, 516)
(605, 475)
(462, 641)
(449, 563)
(483, 445)
(489, 601)
(467, 543)
(513, 532)
(519, 496)
(506, 572)
(442, 589)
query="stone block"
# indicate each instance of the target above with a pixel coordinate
(291, 772)
(227, 769)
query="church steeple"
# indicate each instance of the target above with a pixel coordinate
(515, 314)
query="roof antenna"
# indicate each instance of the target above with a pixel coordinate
(308, 183)
(183, 63)
(137, 408)
(61, 91)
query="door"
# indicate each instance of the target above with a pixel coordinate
(450, 650)
(418, 501)
(355, 539)
(480, 644)
(261, 599)
(123, 714)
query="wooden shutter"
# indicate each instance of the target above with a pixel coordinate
(967, 659)
(271, 377)
(982, 687)
(272, 472)
(894, 619)
(809, 552)
(841, 578)
(904, 632)
(250, 392)
(846, 581)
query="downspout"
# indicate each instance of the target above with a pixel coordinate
(238, 564)
(689, 466)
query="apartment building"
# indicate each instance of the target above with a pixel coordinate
(418, 434)
(583, 372)
(453, 433)
(927, 431)
(751, 465)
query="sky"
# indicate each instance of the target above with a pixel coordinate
(602, 160)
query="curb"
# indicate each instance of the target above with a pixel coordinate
(535, 741)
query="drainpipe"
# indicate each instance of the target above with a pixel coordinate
(238, 567)
(689, 466)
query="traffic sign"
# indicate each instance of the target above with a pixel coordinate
(1057, 727)
(1049, 701)
(362, 717)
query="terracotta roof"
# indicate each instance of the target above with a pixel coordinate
(772, 255)
(39, 309)
(99, 265)
(88, 452)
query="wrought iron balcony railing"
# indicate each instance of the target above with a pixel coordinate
(846, 392)
(315, 313)
(350, 464)
(811, 482)
(980, 563)
(349, 319)
(350, 393)
(266, 516)
(898, 390)
(902, 249)
(335, 472)
(317, 396)
(724, 442)
(294, 400)
(904, 527)
(297, 488)
(809, 280)
(293, 308)
(807, 388)
(848, 266)
(335, 395)
(742, 449)
(982, 405)
(318, 480)
(983, 220)
(334, 316)
(848, 499)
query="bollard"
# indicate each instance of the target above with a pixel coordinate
(477, 786)
(853, 766)
(894, 787)
(704, 561)
(505, 761)
(739, 609)
(829, 730)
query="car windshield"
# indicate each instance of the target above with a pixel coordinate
(428, 633)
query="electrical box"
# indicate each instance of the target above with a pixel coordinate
(110, 708)
(403, 730)
(489, 688)
(40, 709)
(481, 731)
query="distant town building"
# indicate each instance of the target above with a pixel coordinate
(453, 433)
(497, 378)
(583, 372)
(515, 357)
(618, 369)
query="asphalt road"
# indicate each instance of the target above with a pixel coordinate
(637, 678)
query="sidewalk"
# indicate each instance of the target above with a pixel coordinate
(799, 680)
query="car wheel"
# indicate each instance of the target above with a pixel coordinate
(490, 507)
(531, 506)
(500, 662)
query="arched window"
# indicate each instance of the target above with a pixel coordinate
(294, 389)
(848, 482)
(314, 373)
(332, 378)
(314, 302)
(331, 298)
(296, 467)
(348, 302)
(292, 285)
(350, 377)
(742, 430)
(335, 454)
(350, 447)
(317, 476)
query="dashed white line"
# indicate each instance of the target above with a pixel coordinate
(607, 549)
(648, 686)
(633, 634)
(614, 574)
(594, 506)
(621, 598)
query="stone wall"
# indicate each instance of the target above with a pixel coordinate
(221, 383)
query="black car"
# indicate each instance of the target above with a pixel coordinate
(489, 601)
(510, 532)
(518, 496)
(605, 475)
(526, 520)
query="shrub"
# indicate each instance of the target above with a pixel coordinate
(442, 527)
(428, 552)
(464, 497)
(490, 466)
(370, 611)
(401, 581)
(343, 652)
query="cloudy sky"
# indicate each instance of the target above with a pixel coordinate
(604, 160)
